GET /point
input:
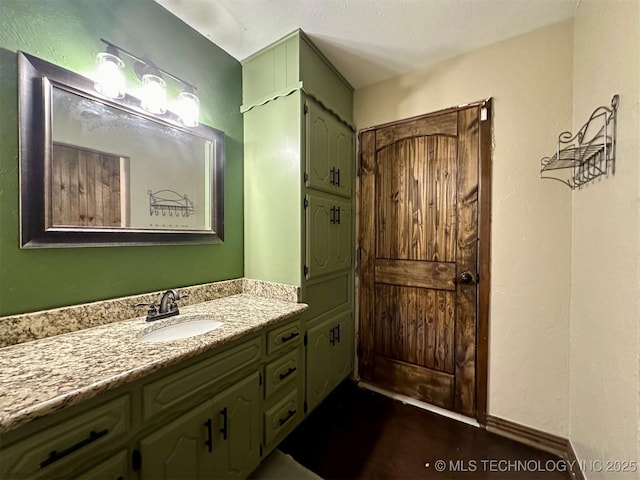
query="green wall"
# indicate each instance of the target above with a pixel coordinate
(67, 33)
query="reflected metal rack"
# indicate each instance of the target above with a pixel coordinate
(171, 202)
(587, 155)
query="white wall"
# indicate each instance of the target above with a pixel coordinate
(530, 79)
(605, 312)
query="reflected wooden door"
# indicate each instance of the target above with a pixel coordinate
(87, 188)
(418, 267)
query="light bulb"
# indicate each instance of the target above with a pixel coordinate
(154, 93)
(110, 80)
(188, 109)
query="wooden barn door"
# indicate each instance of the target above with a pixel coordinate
(418, 269)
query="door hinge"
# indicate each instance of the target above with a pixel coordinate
(306, 203)
(305, 339)
(305, 407)
(261, 450)
(306, 270)
(305, 177)
(136, 460)
(484, 114)
(305, 109)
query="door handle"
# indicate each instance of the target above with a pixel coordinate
(223, 430)
(55, 455)
(289, 371)
(209, 441)
(290, 414)
(290, 337)
(465, 278)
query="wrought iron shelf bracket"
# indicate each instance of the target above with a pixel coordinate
(587, 155)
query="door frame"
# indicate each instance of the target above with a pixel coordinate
(483, 252)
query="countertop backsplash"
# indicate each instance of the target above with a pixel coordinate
(26, 327)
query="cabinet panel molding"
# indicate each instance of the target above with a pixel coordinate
(63, 445)
(180, 450)
(167, 392)
(281, 373)
(236, 413)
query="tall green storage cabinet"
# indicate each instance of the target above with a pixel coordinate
(299, 185)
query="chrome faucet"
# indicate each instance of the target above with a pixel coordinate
(169, 296)
(167, 308)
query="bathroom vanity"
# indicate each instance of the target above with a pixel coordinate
(101, 403)
(98, 398)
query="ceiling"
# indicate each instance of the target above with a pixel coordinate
(369, 40)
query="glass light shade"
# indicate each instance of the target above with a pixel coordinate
(110, 80)
(154, 94)
(189, 109)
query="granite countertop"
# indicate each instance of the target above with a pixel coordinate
(42, 376)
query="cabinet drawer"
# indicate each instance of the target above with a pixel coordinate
(113, 469)
(168, 391)
(282, 417)
(283, 372)
(282, 337)
(64, 444)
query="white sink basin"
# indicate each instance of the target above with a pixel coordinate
(191, 326)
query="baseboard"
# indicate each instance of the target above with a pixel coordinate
(572, 458)
(547, 442)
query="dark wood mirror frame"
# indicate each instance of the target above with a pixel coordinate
(36, 80)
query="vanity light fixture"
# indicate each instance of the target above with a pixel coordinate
(153, 96)
(188, 108)
(110, 80)
(154, 93)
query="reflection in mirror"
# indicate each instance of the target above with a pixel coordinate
(111, 168)
(95, 172)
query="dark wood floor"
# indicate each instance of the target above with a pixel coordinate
(359, 434)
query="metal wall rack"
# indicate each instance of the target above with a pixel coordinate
(587, 155)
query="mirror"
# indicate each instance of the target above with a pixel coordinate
(99, 172)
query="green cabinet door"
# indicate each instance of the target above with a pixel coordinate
(319, 161)
(328, 245)
(329, 155)
(329, 356)
(319, 363)
(342, 355)
(319, 215)
(182, 449)
(237, 429)
(343, 145)
(340, 236)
